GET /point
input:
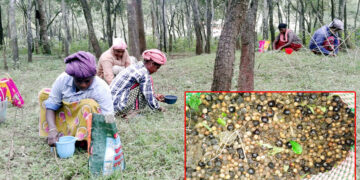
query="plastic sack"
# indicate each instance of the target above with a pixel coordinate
(106, 152)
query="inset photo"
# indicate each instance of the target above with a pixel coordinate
(270, 135)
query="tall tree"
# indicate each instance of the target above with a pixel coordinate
(13, 33)
(171, 27)
(67, 37)
(188, 22)
(91, 32)
(209, 17)
(1, 31)
(37, 29)
(225, 55)
(302, 21)
(44, 41)
(29, 31)
(140, 25)
(333, 9)
(271, 20)
(163, 26)
(265, 20)
(342, 12)
(347, 40)
(357, 13)
(247, 60)
(197, 25)
(109, 29)
(154, 17)
(280, 16)
(134, 48)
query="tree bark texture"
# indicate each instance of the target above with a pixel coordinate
(13, 33)
(271, 20)
(225, 55)
(197, 26)
(265, 20)
(209, 17)
(29, 36)
(66, 28)
(140, 23)
(247, 60)
(1, 31)
(134, 48)
(44, 40)
(332, 9)
(91, 32)
(109, 29)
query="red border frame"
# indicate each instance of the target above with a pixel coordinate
(264, 92)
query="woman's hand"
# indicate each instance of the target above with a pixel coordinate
(53, 137)
(160, 97)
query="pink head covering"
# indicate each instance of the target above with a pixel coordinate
(118, 43)
(155, 55)
(80, 65)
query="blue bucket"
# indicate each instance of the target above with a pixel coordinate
(65, 147)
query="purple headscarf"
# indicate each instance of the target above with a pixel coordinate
(80, 65)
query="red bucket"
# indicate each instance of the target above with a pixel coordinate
(288, 50)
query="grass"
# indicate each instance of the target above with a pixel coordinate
(153, 142)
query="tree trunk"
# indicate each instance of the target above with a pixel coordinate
(279, 12)
(188, 22)
(356, 15)
(124, 28)
(156, 23)
(271, 19)
(103, 24)
(225, 55)
(302, 22)
(171, 27)
(37, 29)
(347, 40)
(44, 41)
(1, 31)
(247, 60)
(163, 23)
(92, 36)
(332, 9)
(66, 28)
(134, 48)
(114, 23)
(341, 17)
(265, 20)
(29, 31)
(209, 17)
(288, 14)
(197, 25)
(13, 33)
(140, 25)
(109, 30)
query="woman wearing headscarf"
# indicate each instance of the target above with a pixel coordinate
(132, 89)
(75, 94)
(286, 39)
(325, 40)
(113, 60)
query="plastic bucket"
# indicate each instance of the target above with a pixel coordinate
(65, 147)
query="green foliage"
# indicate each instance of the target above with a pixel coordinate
(193, 100)
(221, 122)
(296, 147)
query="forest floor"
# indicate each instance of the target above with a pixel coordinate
(153, 142)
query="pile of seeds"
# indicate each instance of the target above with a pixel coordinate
(266, 135)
